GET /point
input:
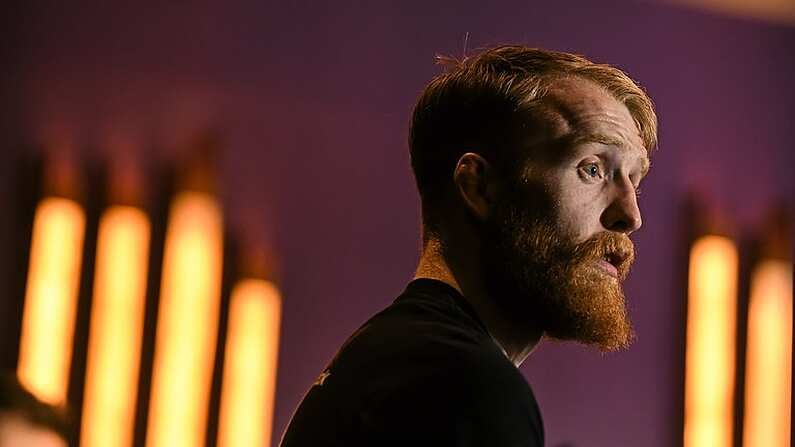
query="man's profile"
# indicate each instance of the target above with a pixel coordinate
(528, 164)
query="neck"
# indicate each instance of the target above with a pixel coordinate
(461, 271)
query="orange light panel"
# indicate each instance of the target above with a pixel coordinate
(187, 322)
(769, 356)
(249, 382)
(48, 321)
(709, 358)
(117, 316)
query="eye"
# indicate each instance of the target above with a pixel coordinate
(591, 171)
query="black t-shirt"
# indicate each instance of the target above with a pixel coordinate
(424, 371)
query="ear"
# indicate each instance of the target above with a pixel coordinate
(474, 180)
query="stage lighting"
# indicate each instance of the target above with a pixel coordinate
(249, 379)
(768, 378)
(710, 349)
(117, 317)
(187, 322)
(48, 321)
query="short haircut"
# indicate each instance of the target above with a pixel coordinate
(478, 102)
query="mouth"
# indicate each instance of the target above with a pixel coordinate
(611, 262)
(608, 267)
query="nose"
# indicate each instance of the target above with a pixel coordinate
(622, 214)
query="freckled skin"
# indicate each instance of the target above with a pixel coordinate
(586, 207)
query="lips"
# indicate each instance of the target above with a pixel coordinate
(608, 267)
(612, 262)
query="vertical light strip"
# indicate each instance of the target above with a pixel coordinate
(249, 382)
(710, 350)
(48, 321)
(117, 316)
(187, 323)
(769, 356)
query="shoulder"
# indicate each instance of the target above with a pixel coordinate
(421, 343)
(486, 382)
(451, 385)
(420, 370)
(477, 399)
(414, 330)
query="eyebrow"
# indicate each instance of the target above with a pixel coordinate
(597, 138)
(608, 140)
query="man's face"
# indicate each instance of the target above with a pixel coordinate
(556, 247)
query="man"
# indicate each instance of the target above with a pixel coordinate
(528, 164)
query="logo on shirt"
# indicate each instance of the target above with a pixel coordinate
(322, 378)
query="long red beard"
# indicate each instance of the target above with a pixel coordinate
(539, 277)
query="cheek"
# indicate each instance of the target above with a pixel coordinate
(579, 211)
(573, 207)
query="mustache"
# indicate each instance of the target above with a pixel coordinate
(617, 248)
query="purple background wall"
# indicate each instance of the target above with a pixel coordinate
(313, 100)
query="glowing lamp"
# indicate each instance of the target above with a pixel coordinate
(187, 322)
(768, 369)
(710, 349)
(116, 328)
(48, 320)
(249, 379)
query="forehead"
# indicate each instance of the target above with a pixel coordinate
(578, 105)
(577, 110)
